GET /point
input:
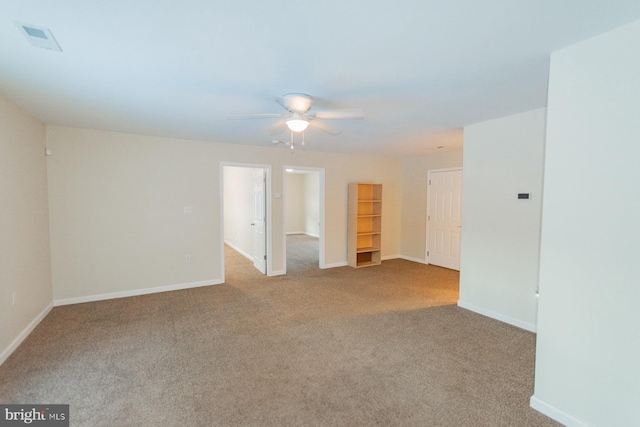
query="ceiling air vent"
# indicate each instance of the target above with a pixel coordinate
(39, 36)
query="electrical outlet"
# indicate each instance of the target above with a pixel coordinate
(14, 298)
(188, 209)
(187, 258)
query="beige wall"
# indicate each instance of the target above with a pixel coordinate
(24, 226)
(414, 199)
(117, 200)
(311, 195)
(588, 344)
(294, 217)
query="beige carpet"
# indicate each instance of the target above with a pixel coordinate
(380, 346)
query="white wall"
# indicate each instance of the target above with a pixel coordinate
(117, 200)
(501, 234)
(414, 199)
(238, 208)
(588, 347)
(25, 267)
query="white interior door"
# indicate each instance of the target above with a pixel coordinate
(444, 218)
(259, 220)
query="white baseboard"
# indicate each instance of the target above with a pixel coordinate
(335, 264)
(344, 263)
(555, 413)
(136, 292)
(409, 258)
(498, 316)
(24, 334)
(277, 273)
(240, 251)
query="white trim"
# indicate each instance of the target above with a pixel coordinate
(457, 168)
(277, 273)
(388, 257)
(268, 213)
(24, 334)
(240, 251)
(321, 202)
(498, 316)
(418, 260)
(221, 218)
(335, 264)
(555, 413)
(135, 292)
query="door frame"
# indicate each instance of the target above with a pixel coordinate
(268, 227)
(321, 231)
(426, 217)
(260, 244)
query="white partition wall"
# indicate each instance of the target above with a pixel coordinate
(500, 231)
(588, 348)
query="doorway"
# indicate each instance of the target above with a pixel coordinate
(303, 219)
(444, 220)
(246, 212)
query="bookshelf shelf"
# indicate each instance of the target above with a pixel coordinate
(365, 224)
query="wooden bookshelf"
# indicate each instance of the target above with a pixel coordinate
(365, 225)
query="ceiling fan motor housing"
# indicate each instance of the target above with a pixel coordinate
(297, 102)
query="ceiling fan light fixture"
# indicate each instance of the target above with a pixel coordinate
(297, 125)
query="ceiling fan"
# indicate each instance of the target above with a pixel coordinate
(299, 115)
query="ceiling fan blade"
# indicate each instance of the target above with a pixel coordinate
(280, 100)
(278, 127)
(324, 127)
(257, 116)
(278, 142)
(348, 114)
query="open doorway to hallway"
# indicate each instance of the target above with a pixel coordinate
(246, 213)
(304, 217)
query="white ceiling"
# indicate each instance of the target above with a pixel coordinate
(420, 69)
